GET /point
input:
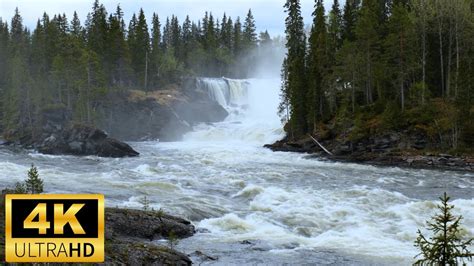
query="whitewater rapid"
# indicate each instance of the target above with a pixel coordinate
(251, 205)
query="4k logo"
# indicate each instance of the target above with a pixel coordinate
(54, 228)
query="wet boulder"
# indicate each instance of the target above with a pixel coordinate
(85, 140)
(149, 225)
(129, 236)
(201, 111)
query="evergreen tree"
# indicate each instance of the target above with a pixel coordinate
(368, 41)
(76, 28)
(156, 50)
(445, 247)
(295, 90)
(167, 37)
(399, 49)
(4, 55)
(118, 56)
(16, 98)
(139, 43)
(97, 30)
(33, 183)
(351, 8)
(335, 27)
(237, 38)
(249, 32)
(317, 66)
(176, 41)
(226, 32)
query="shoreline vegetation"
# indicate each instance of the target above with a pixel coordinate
(66, 85)
(381, 82)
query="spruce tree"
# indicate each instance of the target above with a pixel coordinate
(176, 41)
(351, 8)
(4, 55)
(295, 86)
(249, 32)
(156, 50)
(446, 246)
(97, 30)
(368, 43)
(237, 38)
(16, 99)
(317, 66)
(33, 183)
(139, 47)
(335, 27)
(76, 28)
(399, 52)
(118, 55)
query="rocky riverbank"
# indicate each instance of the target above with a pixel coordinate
(165, 115)
(388, 150)
(129, 235)
(56, 134)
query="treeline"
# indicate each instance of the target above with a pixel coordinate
(66, 63)
(381, 65)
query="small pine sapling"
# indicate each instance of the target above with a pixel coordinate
(446, 246)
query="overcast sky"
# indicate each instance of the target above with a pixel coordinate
(269, 14)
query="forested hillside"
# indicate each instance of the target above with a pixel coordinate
(73, 65)
(373, 67)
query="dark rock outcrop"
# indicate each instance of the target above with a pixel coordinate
(56, 134)
(123, 252)
(149, 225)
(129, 232)
(85, 140)
(392, 149)
(165, 114)
(201, 111)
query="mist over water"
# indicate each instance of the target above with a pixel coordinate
(252, 105)
(251, 205)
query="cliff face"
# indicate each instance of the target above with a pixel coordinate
(165, 114)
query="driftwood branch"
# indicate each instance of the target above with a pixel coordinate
(319, 144)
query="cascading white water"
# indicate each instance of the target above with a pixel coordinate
(238, 91)
(252, 105)
(226, 92)
(255, 206)
(214, 88)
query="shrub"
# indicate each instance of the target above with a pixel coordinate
(145, 202)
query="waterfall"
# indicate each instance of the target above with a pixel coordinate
(227, 92)
(252, 105)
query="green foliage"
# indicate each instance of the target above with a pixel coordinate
(34, 184)
(20, 188)
(145, 203)
(294, 92)
(392, 117)
(160, 213)
(77, 66)
(393, 65)
(173, 240)
(446, 246)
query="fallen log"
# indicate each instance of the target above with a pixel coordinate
(319, 144)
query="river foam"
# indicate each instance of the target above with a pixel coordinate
(252, 205)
